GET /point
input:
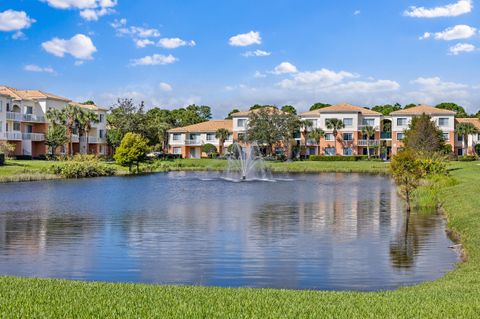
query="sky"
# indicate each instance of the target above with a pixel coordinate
(236, 53)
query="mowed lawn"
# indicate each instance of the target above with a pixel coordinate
(457, 295)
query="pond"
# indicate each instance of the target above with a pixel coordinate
(318, 231)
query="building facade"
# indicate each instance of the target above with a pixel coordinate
(23, 123)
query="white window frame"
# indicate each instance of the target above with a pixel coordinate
(368, 122)
(446, 136)
(327, 153)
(242, 121)
(349, 140)
(402, 119)
(348, 148)
(329, 139)
(400, 134)
(350, 119)
(210, 137)
(440, 119)
(176, 137)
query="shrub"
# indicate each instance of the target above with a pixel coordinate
(2, 159)
(434, 165)
(82, 169)
(209, 149)
(467, 158)
(132, 150)
(24, 157)
(355, 158)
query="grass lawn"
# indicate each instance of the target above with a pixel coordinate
(457, 295)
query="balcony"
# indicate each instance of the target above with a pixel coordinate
(368, 143)
(75, 138)
(14, 116)
(19, 117)
(13, 136)
(195, 142)
(92, 140)
(386, 135)
(311, 142)
(34, 137)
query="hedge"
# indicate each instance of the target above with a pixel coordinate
(321, 158)
(467, 158)
(2, 159)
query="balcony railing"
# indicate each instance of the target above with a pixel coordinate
(13, 136)
(386, 135)
(311, 142)
(368, 143)
(19, 117)
(15, 116)
(75, 138)
(91, 140)
(34, 137)
(193, 142)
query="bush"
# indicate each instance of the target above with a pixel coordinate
(83, 169)
(433, 166)
(2, 159)
(467, 158)
(321, 158)
(24, 157)
(209, 149)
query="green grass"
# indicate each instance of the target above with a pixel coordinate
(457, 295)
(20, 171)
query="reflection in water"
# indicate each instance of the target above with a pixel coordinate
(328, 231)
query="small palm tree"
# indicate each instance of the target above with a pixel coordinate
(335, 125)
(316, 134)
(465, 129)
(71, 114)
(85, 120)
(222, 134)
(368, 131)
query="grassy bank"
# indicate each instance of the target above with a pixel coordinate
(457, 295)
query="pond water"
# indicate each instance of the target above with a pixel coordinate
(322, 231)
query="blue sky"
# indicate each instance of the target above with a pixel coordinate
(237, 53)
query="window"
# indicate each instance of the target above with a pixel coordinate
(348, 136)
(329, 137)
(177, 150)
(176, 137)
(400, 136)
(348, 122)
(443, 121)
(459, 152)
(8, 107)
(101, 133)
(368, 122)
(459, 138)
(101, 118)
(241, 122)
(194, 137)
(445, 136)
(210, 137)
(348, 151)
(1, 106)
(29, 110)
(401, 121)
(29, 129)
(1, 126)
(330, 151)
(16, 126)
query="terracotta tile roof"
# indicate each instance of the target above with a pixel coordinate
(475, 121)
(10, 92)
(420, 109)
(209, 126)
(341, 108)
(247, 113)
(30, 94)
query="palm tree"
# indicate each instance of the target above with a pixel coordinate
(71, 114)
(222, 134)
(335, 125)
(368, 131)
(316, 134)
(85, 120)
(465, 129)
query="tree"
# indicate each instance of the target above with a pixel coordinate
(407, 173)
(318, 106)
(335, 125)
(209, 149)
(69, 117)
(85, 119)
(409, 106)
(368, 131)
(132, 150)
(317, 134)
(56, 136)
(114, 137)
(126, 117)
(222, 134)
(230, 114)
(387, 108)
(89, 102)
(460, 111)
(258, 106)
(423, 136)
(158, 122)
(289, 109)
(464, 130)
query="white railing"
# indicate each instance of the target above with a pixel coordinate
(34, 137)
(91, 140)
(13, 136)
(15, 116)
(193, 142)
(369, 143)
(33, 118)
(75, 138)
(311, 142)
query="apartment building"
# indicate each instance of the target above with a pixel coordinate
(23, 123)
(188, 141)
(469, 148)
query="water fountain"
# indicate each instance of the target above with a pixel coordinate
(246, 163)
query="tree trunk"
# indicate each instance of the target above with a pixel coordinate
(407, 198)
(335, 142)
(465, 142)
(368, 147)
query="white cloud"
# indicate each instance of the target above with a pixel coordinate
(357, 12)
(39, 69)
(259, 75)
(90, 10)
(165, 87)
(256, 53)
(142, 43)
(11, 20)
(365, 86)
(156, 59)
(79, 46)
(436, 83)
(18, 35)
(246, 39)
(457, 32)
(173, 43)
(462, 48)
(315, 79)
(285, 67)
(450, 10)
(433, 90)
(141, 36)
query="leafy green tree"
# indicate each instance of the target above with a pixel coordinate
(423, 136)
(230, 114)
(368, 131)
(407, 172)
(158, 122)
(453, 107)
(222, 134)
(132, 151)
(114, 137)
(318, 106)
(209, 149)
(387, 108)
(126, 117)
(289, 109)
(464, 130)
(316, 134)
(335, 125)
(56, 136)
(409, 106)
(89, 102)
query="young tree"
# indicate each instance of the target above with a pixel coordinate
(230, 114)
(85, 120)
(318, 106)
(56, 137)
(407, 173)
(423, 136)
(316, 134)
(114, 138)
(368, 131)
(335, 125)
(209, 149)
(222, 134)
(132, 150)
(464, 130)
(289, 109)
